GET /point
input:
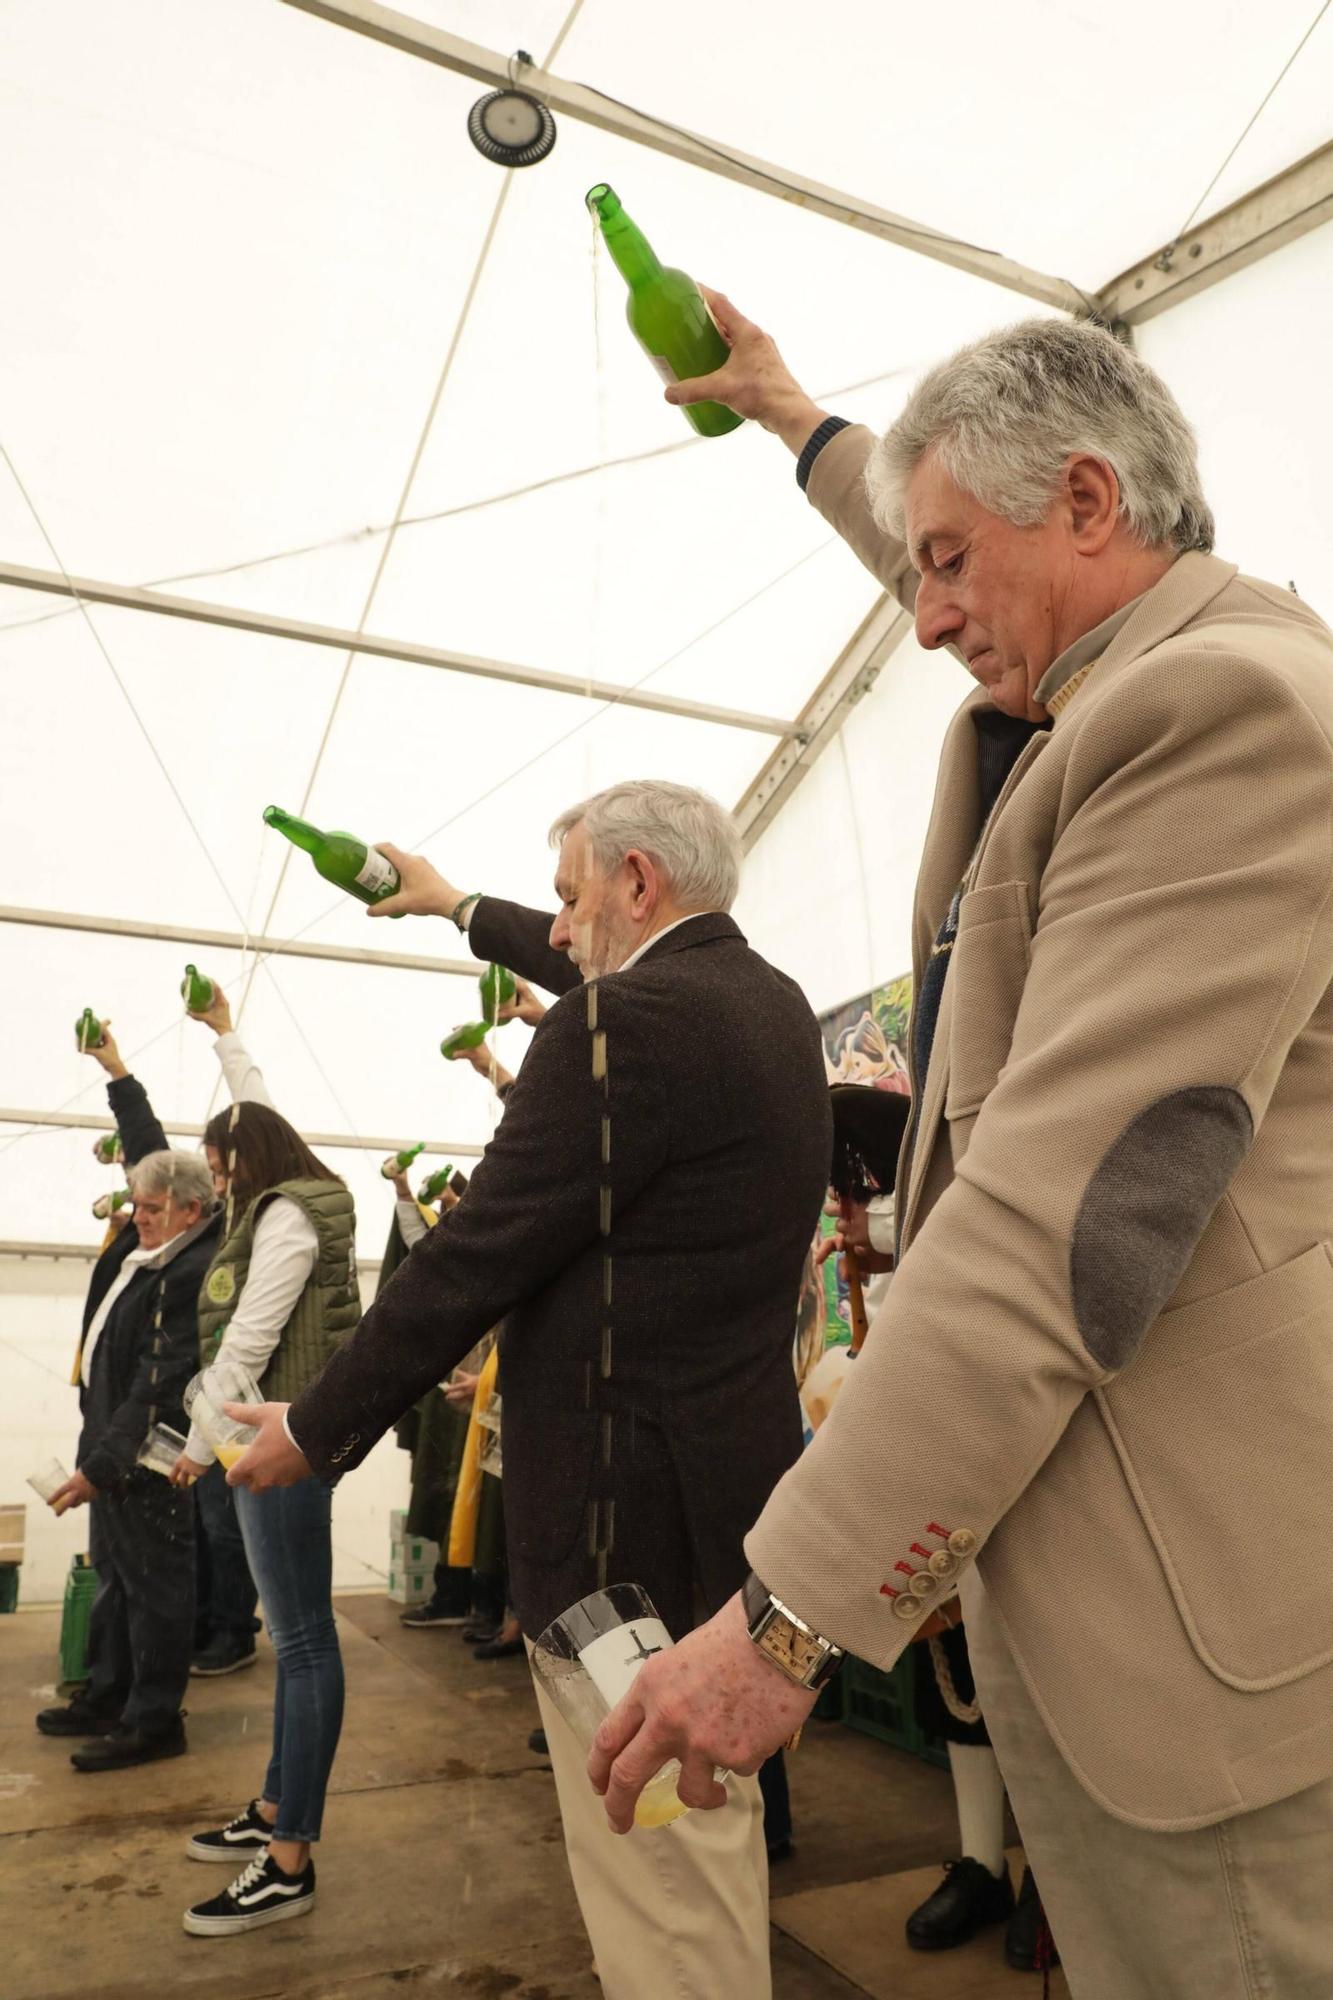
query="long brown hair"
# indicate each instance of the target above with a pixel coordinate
(259, 1150)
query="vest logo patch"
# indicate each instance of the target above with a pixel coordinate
(221, 1287)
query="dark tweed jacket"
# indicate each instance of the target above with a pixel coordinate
(653, 1429)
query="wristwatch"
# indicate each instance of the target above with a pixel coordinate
(786, 1640)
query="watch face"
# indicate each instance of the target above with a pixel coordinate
(794, 1651)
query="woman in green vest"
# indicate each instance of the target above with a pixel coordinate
(278, 1297)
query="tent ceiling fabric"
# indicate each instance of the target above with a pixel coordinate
(238, 263)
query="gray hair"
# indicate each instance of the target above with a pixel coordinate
(693, 840)
(184, 1176)
(1003, 415)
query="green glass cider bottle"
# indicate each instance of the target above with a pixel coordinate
(435, 1184)
(666, 311)
(88, 1031)
(398, 1163)
(108, 1205)
(197, 991)
(497, 987)
(339, 857)
(107, 1150)
(470, 1036)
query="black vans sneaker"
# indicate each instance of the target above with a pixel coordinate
(240, 1839)
(264, 1894)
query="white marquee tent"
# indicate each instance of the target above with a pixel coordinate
(286, 362)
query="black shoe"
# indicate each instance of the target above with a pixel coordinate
(480, 1631)
(262, 1894)
(241, 1838)
(967, 1900)
(123, 1747)
(77, 1720)
(537, 1742)
(1028, 1944)
(224, 1654)
(499, 1649)
(427, 1615)
(781, 1850)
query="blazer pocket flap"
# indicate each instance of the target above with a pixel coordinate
(1224, 1428)
(990, 963)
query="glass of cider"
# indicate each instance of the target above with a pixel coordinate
(588, 1658)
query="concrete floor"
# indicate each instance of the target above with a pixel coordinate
(441, 1867)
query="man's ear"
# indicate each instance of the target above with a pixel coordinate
(1092, 497)
(643, 876)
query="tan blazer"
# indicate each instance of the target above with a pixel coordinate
(1104, 1372)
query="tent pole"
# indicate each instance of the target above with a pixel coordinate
(576, 100)
(92, 1121)
(129, 597)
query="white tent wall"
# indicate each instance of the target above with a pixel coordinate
(1249, 362)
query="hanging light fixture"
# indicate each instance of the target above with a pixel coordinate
(509, 127)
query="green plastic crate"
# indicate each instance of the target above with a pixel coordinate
(883, 1705)
(80, 1589)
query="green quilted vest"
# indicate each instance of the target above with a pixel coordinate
(327, 1309)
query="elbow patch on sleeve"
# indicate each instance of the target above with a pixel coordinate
(1144, 1210)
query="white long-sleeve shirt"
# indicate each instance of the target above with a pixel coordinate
(242, 1073)
(282, 1256)
(412, 1224)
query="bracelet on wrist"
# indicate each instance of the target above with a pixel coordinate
(463, 903)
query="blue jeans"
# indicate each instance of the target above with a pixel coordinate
(286, 1533)
(230, 1605)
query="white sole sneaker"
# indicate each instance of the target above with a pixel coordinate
(235, 1857)
(225, 1926)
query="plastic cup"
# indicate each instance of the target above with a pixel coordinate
(589, 1657)
(223, 1381)
(48, 1480)
(160, 1449)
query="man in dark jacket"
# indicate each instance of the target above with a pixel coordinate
(139, 1347)
(639, 1224)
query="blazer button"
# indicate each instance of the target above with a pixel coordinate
(907, 1607)
(942, 1563)
(922, 1585)
(963, 1542)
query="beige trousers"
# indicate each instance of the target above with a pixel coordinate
(677, 1912)
(1236, 1911)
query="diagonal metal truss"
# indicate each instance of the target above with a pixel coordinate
(192, 934)
(593, 107)
(1290, 205)
(129, 597)
(91, 1121)
(847, 682)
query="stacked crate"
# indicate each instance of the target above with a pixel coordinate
(11, 1555)
(412, 1561)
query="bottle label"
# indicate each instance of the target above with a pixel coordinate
(377, 873)
(612, 1661)
(664, 368)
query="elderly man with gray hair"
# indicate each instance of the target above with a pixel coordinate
(139, 1346)
(1098, 1403)
(639, 1225)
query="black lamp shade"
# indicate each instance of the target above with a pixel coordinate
(511, 128)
